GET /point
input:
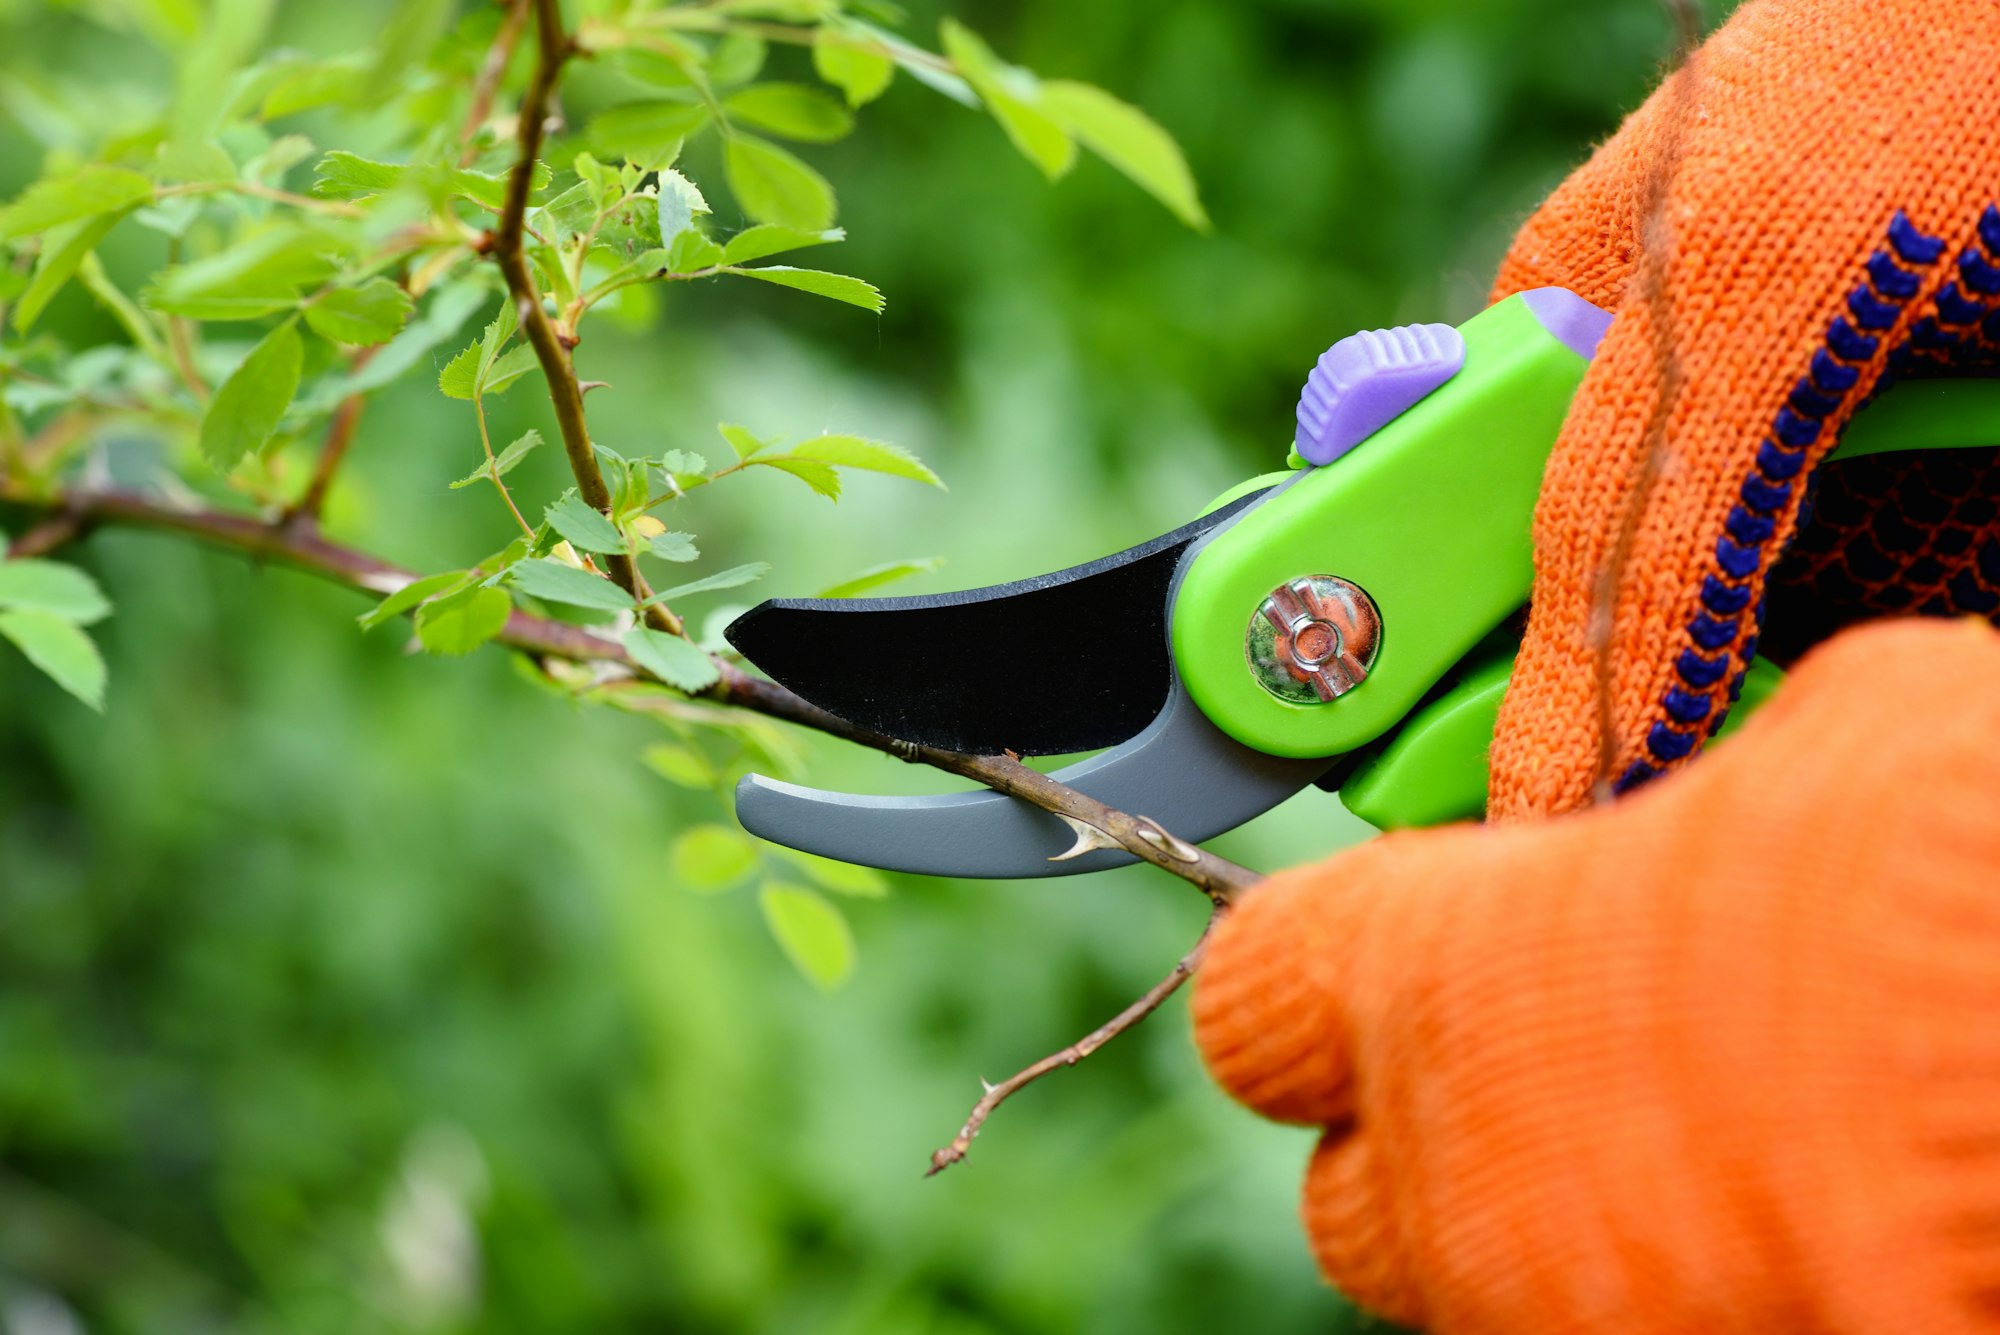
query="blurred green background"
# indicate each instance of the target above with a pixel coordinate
(342, 989)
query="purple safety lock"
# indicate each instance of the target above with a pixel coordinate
(1367, 380)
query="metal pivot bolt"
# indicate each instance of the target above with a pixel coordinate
(1313, 639)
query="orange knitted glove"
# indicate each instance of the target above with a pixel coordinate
(1725, 1055)
(1722, 1057)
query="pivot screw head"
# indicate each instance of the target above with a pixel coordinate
(1313, 639)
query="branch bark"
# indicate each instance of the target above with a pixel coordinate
(552, 346)
(995, 1095)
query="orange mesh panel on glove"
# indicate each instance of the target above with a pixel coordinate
(1722, 1057)
(1828, 219)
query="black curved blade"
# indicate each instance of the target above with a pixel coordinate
(1069, 661)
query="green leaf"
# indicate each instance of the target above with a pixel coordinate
(344, 175)
(1011, 94)
(736, 59)
(250, 404)
(195, 160)
(755, 243)
(811, 931)
(60, 650)
(820, 477)
(601, 181)
(731, 578)
(585, 527)
(84, 193)
(646, 133)
(407, 597)
(876, 576)
(672, 546)
(461, 622)
(839, 286)
(63, 249)
(690, 253)
(682, 463)
(843, 60)
(842, 878)
(314, 85)
(742, 440)
(872, 455)
(372, 313)
(510, 366)
(32, 585)
(712, 857)
(259, 275)
(680, 765)
(502, 463)
(680, 200)
(791, 111)
(675, 661)
(554, 582)
(460, 377)
(772, 186)
(1131, 141)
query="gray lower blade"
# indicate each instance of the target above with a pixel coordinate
(1182, 771)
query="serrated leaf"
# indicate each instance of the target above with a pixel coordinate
(503, 462)
(872, 455)
(755, 243)
(677, 662)
(510, 366)
(711, 857)
(691, 252)
(460, 377)
(63, 652)
(554, 582)
(876, 576)
(1131, 141)
(671, 546)
(259, 275)
(680, 765)
(583, 525)
(30, 584)
(373, 312)
(842, 878)
(251, 403)
(84, 193)
(1010, 94)
(649, 134)
(812, 932)
(63, 249)
(601, 181)
(843, 60)
(820, 477)
(838, 286)
(742, 440)
(791, 111)
(772, 186)
(459, 623)
(682, 463)
(407, 597)
(679, 202)
(734, 577)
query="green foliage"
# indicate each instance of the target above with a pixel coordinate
(251, 403)
(298, 910)
(812, 931)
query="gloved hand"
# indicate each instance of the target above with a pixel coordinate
(1723, 1054)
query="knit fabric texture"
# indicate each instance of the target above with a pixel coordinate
(1721, 1057)
(1825, 174)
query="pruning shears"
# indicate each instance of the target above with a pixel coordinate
(1348, 622)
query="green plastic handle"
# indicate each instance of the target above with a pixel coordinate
(1430, 516)
(1435, 769)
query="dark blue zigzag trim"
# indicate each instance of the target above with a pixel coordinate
(1875, 305)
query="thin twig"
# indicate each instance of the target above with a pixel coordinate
(52, 534)
(333, 451)
(998, 1094)
(552, 348)
(305, 547)
(1655, 254)
(490, 73)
